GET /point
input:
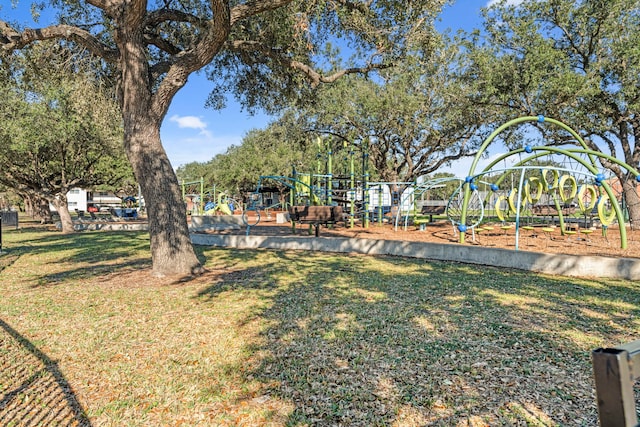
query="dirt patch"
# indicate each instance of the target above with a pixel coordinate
(539, 239)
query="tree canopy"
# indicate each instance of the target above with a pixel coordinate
(412, 119)
(61, 128)
(577, 61)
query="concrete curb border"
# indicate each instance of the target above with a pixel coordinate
(564, 265)
(108, 226)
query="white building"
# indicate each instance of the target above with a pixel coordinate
(79, 199)
(103, 199)
(76, 199)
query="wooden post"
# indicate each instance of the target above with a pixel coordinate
(615, 371)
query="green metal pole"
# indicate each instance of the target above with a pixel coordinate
(556, 202)
(329, 174)
(365, 189)
(201, 196)
(292, 196)
(319, 156)
(380, 204)
(519, 207)
(353, 187)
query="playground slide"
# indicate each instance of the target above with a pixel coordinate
(224, 208)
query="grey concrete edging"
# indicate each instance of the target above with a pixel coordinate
(215, 222)
(108, 226)
(565, 265)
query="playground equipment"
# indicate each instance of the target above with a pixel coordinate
(534, 192)
(360, 199)
(322, 188)
(300, 191)
(564, 191)
(224, 205)
(193, 195)
(211, 202)
(372, 201)
(542, 189)
(416, 191)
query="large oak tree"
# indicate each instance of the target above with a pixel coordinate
(576, 61)
(412, 120)
(263, 48)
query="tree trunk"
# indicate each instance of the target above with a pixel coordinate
(37, 207)
(65, 218)
(632, 199)
(41, 210)
(144, 104)
(171, 250)
(28, 206)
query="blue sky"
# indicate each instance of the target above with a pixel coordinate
(192, 132)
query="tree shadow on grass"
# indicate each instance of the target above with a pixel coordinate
(356, 340)
(33, 390)
(88, 254)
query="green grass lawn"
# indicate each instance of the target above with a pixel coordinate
(88, 337)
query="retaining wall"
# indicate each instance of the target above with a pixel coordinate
(107, 226)
(215, 222)
(566, 265)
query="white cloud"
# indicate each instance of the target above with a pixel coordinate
(191, 122)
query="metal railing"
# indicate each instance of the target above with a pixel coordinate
(615, 371)
(7, 218)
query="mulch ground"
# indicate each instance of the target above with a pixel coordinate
(596, 243)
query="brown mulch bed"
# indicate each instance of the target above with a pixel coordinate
(536, 240)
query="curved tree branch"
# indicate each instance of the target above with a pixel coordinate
(161, 44)
(184, 63)
(159, 16)
(255, 7)
(11, 39)
(312, 74)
